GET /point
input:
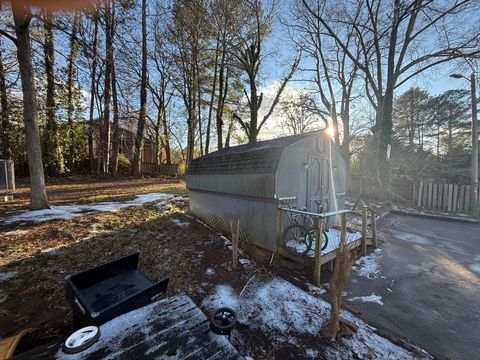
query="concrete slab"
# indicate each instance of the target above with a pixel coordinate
(427, 276)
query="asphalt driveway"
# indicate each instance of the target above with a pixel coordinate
(423, 285)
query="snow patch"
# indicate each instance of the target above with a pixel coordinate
(5, 276)
(244, 262)
(475, 268)
(370, 298)
(312, 353)
(315, 290)
(65, 212)
(368, 266)
(51, 251)
(224, 296)
(284, 312)
(180, 223)
(15, 232)
(210, 272)
(225, 240)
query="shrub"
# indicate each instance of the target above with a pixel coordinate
(123, 164)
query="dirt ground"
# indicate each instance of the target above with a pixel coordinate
(41, 255)
(80, 189)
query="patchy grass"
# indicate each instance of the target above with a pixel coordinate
(86, 189)
(41, 255)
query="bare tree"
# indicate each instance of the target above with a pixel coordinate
(186, 37)
(104, 146)
(116, 123)
(93, 70)
(71, 73)
(52, 155)
(5, 128)
(247, 49)
(296, 114)
(396, 45)
(139, 139)
(333, 73)
(22, 18)
(161, 94)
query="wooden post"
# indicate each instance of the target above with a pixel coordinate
(364, 230)
(445, 197)
(466, 208)
(318, 250)
(455, 198)
(450, 197)
(461, 198)
(420, 194)
(280, 214)
(374, 228)
(235, 239)
(429, 196)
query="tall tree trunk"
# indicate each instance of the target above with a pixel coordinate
(139, 139)
(5, 129)
(166, 138)
(191, 122)
(222, 95)
(38, 195)
(229, 134)
(52, 154)
(70, 89)
(91, 129)
(254, 105)
(199, 101)
(386, 124)
(212, 99)
(105, 127)
(116, 125)
(116, 115)
(157, 139)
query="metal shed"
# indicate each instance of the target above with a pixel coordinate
(249, 181)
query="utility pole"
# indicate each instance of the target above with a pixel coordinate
(474, 167)
(474, 145)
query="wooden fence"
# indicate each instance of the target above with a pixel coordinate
(400, 188)
(161, 169)
(453, 198)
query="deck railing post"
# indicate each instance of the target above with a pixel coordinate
(235, 234)
(343, 229)
(374, 228)
(364, 230)
(318, 250)
(279, 234)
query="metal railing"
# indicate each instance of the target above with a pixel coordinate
(319, 224)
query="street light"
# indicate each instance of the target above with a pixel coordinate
(474, 181)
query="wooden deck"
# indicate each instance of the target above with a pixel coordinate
(319, 219)
(172, 328)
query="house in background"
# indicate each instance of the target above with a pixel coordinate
(127, 143)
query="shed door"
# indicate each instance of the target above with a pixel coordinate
(317, 184)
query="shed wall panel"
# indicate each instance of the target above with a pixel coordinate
(257, 216)
(259, 185)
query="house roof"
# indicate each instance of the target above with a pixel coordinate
(258, 157)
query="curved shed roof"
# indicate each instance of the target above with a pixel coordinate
(260, 157)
